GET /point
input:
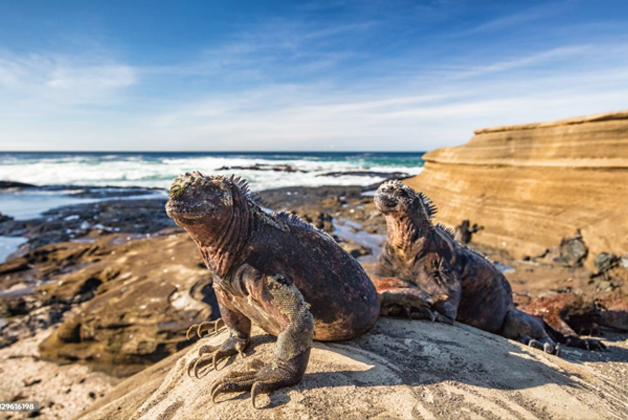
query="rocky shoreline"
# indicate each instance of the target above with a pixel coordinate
(112, 285)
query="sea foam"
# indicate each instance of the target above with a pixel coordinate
(158, 170)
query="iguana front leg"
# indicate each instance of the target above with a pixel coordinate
(443, 282)
(284, 301)
(239, 327)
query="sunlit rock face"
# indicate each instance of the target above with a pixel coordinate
(531, 185)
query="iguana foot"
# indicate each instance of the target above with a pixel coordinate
(429, 313)
(585, 343)
(422, 313)
(212, 326)
(262, 379)
(213, 354)
(546, 344)
(529, 330)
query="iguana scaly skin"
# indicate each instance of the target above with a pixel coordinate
(277, 271)
(463, 284)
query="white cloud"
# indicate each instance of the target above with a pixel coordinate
(304, 85)
(52, 82)
(442, 108)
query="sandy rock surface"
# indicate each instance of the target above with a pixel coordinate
(62, 391)
(401, 369)
(531, 185)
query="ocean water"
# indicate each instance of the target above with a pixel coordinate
(158, 169)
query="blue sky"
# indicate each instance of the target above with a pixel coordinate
(289, 75)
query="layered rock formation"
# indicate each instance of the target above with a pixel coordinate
(400, 369)
(531, 185)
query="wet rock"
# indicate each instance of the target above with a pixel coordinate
(90, 221)
(263, 167)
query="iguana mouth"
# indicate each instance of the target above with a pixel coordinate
(182, 210)
(385, 202)
(186, 202)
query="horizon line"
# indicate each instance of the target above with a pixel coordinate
(198, 151)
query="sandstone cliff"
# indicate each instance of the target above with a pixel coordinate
(400, 369)
(531, 185)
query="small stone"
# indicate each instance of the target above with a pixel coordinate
(604, 285)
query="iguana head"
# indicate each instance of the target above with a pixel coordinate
(396, 199)
(196, 198)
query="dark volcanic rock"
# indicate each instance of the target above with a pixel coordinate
(573, 251)
(90, 220)
(281, 167)
(387, 175)
(4, 218)
(15, 184)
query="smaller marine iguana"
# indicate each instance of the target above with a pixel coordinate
(464, 285)
(288, 277)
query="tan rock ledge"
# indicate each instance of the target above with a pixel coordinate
(608, 116)
(531, 185)
(401, 369)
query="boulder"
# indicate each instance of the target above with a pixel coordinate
(136, 303)
(400, 369)
(531, 185)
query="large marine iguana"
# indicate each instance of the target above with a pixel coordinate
(288, 277)
(465, 285)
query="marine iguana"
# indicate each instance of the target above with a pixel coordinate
(464, 285)
(276, 270)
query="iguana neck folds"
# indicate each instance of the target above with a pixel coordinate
(405, 230)
(221, 245)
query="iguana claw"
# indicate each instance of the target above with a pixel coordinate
(205, 326)
(258, 380)
(215, 354)
(546, 344)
